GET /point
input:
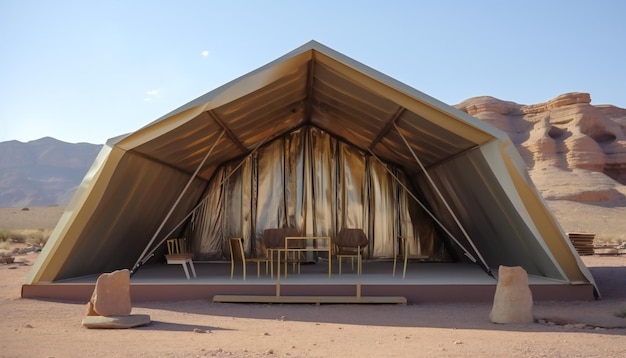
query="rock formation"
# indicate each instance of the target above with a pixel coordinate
(568, 134)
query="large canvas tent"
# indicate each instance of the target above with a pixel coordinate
(316, 141)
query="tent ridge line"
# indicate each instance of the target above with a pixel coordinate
(309, 87)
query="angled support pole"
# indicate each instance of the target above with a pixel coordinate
(180, 196)
(146, 256)
(445, 203)
(430, 213)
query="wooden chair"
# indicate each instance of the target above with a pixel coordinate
(350, 243)
(237, 254)
(274, 242)
(177, 254)
(404, 244)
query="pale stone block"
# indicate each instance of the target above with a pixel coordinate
(111, 297)
(513, 301)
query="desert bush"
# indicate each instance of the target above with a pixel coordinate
(4, 235)
(621, 313)
(37, 237)
(4, 246)
(609, 239)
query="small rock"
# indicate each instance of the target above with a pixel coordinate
(458, 342)
(7, 260)
(198, 330)
(28, 325)
(129, 321)
(269, 351)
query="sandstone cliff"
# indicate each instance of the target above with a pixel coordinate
(573, 149)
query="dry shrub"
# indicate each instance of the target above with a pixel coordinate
(33, 237)
(609, 239)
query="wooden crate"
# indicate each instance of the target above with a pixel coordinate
(583, 242)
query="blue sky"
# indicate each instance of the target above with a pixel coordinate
(87, 71)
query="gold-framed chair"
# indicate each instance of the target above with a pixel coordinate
(237, 254)
(274, 242)
(405, 255)
(350, 243)
(177, 254)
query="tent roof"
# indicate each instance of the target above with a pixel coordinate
(312, 85)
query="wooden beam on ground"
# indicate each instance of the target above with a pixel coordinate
(309, 299)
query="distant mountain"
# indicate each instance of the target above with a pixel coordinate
(42, 172)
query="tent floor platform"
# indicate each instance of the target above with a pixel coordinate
(309, 299)
(424, 282)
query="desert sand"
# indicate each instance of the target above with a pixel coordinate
(37, 328)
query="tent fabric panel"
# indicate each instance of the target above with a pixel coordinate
(208, 221)
(430, 143)
(126, 216)
(317, 184)
(185, 147)
(352, 190)
(80, 208)
(275, 110)
(383, 209)
(407, 97)
(334, 90)
(551, 232)
(283, 93)
(492, 222)
(156, 129)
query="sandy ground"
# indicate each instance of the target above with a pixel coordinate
(41, 217)
(36, 328)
